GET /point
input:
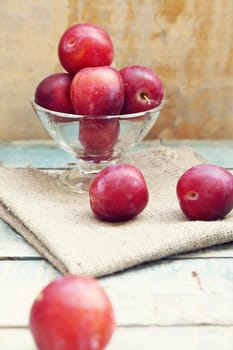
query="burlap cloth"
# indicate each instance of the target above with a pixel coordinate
(62, 227)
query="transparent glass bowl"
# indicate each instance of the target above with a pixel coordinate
(95, 142)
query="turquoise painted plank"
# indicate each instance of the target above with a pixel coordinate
(48, 154)
(13, 245)
(217, 152)
(37, 154)
(44, 154)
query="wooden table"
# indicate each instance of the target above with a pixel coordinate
(183, 302)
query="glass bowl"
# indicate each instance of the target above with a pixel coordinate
(95, 142)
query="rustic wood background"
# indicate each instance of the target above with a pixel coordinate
(189, 43)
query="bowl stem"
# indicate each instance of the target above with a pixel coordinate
(78, 179)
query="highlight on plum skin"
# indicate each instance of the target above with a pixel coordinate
(205, 192)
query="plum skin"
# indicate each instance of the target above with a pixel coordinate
(205, 192)
(71, 313)
(97, 91)
(118, 193)
(53, 93)
(143, 89)
(98, 137)
(85, 45)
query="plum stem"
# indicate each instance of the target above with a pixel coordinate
(145, 97)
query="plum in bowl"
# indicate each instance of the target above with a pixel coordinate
(95, 142)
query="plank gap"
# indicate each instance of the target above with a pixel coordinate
(197, 257)
(141, 326)
(21, 258)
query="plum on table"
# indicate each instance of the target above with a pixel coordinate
(205, 192)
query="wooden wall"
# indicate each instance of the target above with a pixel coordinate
(189, 43)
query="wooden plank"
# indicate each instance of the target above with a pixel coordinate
(216, 151)
(33, 153)
(13, 245)
(20, 283)
(134, 338)
(219, 251)
(174, 292)
(48, 154)
(20, 339)
(179, 292)
(176, 338)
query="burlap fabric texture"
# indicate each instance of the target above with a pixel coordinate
(62, 227)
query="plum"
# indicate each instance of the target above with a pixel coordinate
(143, 89)
(85, 45)
(53, 93)
(205, 192)
(97, 91)
(118, 193)
(72, 313)
(98, 137)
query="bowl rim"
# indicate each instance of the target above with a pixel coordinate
(37, 107)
